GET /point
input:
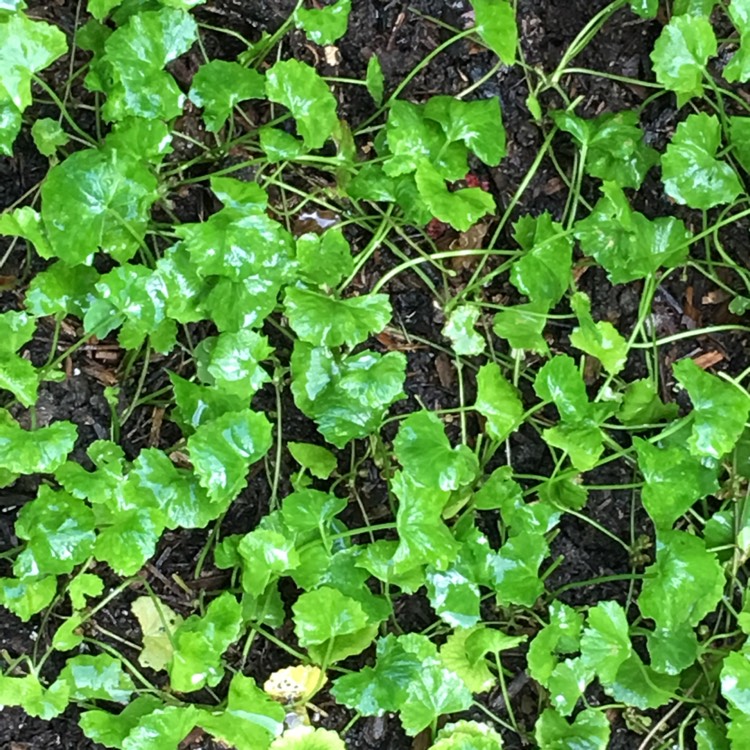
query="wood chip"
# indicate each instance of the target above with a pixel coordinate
(445, 371)
(708, 359)
(689, 308)
(103, 375)
(715, 297)
(332, 55)
(394, 341)
(157, 417)
(180, 459)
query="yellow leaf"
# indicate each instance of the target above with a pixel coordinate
(294, 684)
(157, 624)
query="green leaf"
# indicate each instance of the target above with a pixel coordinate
(499, 490)
(162, 729)
(130, 540)
(673, 650)
(413, 139)
(26, 47)
(710, 736)
(28, 693)
(459, 328)
(131, 297)
(408, 676)
(319, 461)
(307, 738)
(738, 727)
(735, 680)
(738, 68)
(175, 492)
(423, 449)
(17, 374)
(605, 643)
(589, 731)
(240, 195)
(638, 685)
(97, 677)
(496, 24)
(377, 559)
(674, 481)
(199, 404)
(403, 663)
(694, 7)
(584, 443)
(112, 729)
(104, 484)
(61, 290)
(515, 569)
(642, 405)
(325, 258)
(475, 673)
(461, 208)
(96, 200)
(498, 402)
(347, 397)
(375, 80)
(720, 410)
(28, 595)
(306, 95)
(543, 274)
(48, 136)
(560, 382)
(454, 597)
(691, 172)
(522, 326)
(58, 529)
(141, 139)
(322, 615)
(131, 71)
(423, 537)
(243, 245)
(627, 244)
(485, 641)
(199, 643)
(321, 320)
(684, 584)
(12, 5)
(681, 53)
(83, 586)
(564, 492)
(234, 362)
(279, 145)
(433, 692)
(478, 124)
(614, 145)
(561, 636)
(222, 451)
(324, 25)
(266, 555)
(250, 719)
(158, 623)
(739, 132)
(567, 684)
(601, 339)
(311, 510)
(25, 222)
(467, 735)
(219, 86)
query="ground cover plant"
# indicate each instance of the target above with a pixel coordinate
(382, 509)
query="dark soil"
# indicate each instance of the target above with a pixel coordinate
(401, 34)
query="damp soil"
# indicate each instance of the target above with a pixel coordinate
(401, 33)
